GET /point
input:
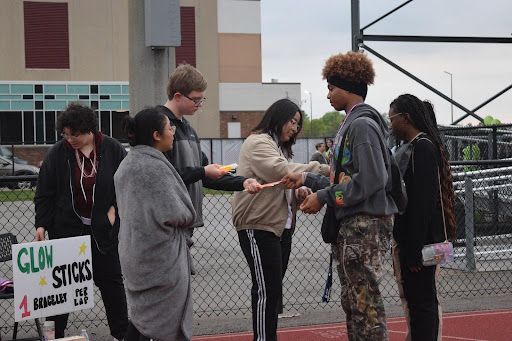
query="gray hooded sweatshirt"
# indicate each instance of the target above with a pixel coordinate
(359, 172)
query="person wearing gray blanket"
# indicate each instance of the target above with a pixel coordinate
(155, 211)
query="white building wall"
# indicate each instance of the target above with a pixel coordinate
(255, 96)
(239, 16)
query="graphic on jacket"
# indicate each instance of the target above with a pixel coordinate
(346, 152)
(338, 198)
(343, 178)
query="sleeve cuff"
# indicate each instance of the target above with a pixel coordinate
(322, 196)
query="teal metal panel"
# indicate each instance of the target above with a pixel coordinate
(78, 89)
(22, 105)
(110, 105)
(67, 97)
(125, 97)
(5, 105)
(126, 89)
(110, 89)
(38, 97)
(126, 105)
(52, 89)
(22, 89)
(55, 105)
(83, 102)
(4, 88)
(10, 96)
(94, 96)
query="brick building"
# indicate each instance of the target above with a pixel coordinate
(60, 51)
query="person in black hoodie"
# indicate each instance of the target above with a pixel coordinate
(185, 96)
(75, 196)
(427, 169)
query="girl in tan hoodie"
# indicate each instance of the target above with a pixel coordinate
(266, 221)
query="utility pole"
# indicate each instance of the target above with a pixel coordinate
(451, 91)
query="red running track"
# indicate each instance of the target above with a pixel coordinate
(485, 325)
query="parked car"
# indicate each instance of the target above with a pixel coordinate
(8, 168)
(6, 152)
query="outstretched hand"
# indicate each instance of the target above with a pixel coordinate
(293, 180)
(302, 193)
(214, 171)
(252, 186)
(311, 204)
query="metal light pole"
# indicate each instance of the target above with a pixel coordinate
(451, 91)
(311, 108)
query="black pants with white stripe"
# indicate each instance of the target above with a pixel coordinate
(262, 250)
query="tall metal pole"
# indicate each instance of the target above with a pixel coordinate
(451, 91)
(311, 108)
(356, 26)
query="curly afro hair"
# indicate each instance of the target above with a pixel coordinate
(352, 66)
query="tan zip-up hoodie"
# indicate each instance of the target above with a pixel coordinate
(261, 158)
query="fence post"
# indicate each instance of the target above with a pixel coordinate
(470, 230)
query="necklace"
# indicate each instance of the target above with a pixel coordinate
(81, 163)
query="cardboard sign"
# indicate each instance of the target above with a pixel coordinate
(52, 277)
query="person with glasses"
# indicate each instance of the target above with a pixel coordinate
(355, 194)
(155, 210)
(75, 196)
(186, 94)
(431, 198)
(266, 221)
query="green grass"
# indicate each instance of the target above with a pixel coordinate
(28, 195)
(215, 191)
(16, 195)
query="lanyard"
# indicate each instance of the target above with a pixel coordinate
(336, 142)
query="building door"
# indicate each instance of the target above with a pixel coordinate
(234, 130)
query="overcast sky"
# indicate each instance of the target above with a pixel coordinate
(299, 35)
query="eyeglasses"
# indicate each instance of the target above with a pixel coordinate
(392, 118)
(172, 128)
(295, 124)
(196, 102)
(70, 137)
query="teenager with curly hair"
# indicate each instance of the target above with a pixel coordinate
(356, 194)
(413, 121)
(75, 196)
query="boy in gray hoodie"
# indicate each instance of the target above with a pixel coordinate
(356, 191)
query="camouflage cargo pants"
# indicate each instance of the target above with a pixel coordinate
(362, 243)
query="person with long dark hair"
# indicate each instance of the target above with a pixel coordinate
(75, 196)
(413, 121)
(266, 221)
(155, 211)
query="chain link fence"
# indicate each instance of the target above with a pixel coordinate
(483, 263)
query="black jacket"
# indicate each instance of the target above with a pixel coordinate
(189, 161)
(422, 222)
(55, 195)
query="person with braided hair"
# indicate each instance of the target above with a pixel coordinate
(427, 168)
(356, 195)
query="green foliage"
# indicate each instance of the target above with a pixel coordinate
(490, 121)
(326, 126)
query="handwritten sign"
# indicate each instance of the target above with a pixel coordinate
(52, 277)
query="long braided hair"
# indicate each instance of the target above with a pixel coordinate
(423, 118)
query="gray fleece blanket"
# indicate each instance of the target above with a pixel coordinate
(155, 208)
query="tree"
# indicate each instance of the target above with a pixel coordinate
(326, 126)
